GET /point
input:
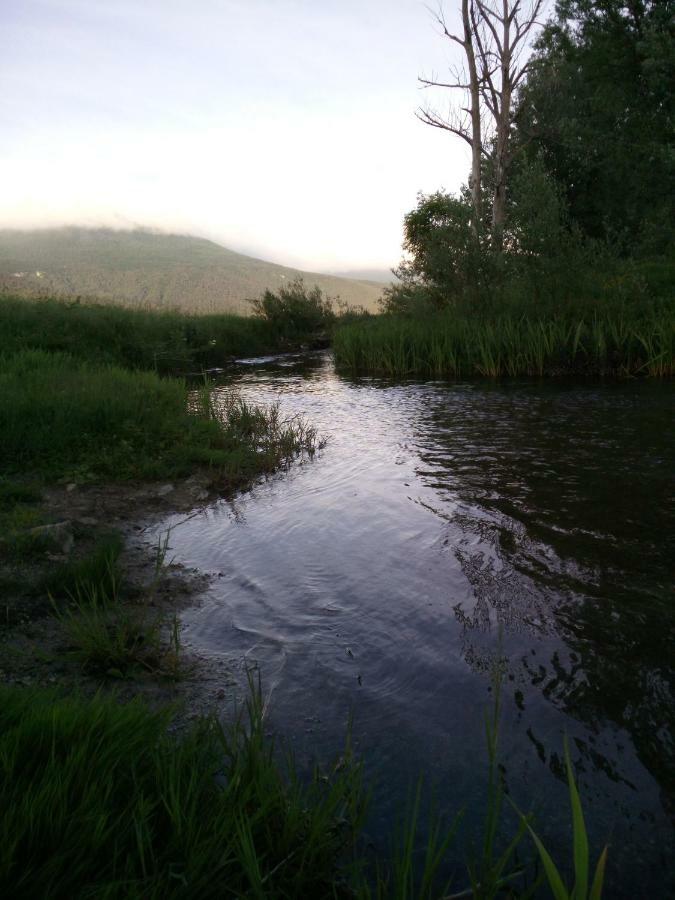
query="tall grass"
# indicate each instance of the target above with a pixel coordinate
(137, 339)
(99, 800)
(448, 345)
(61, 416)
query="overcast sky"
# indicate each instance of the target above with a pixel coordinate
(280, 128)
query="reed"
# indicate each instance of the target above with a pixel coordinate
(447, 345)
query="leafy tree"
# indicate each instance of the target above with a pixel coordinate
(597, 108)
(446, 261)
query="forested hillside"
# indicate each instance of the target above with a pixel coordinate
(151, 270)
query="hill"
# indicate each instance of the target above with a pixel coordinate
(152, 270)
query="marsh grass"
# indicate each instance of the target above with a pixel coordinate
(460, 345)
(61, 417)
(109, 632)
(99, 800)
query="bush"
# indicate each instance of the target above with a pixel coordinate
(294, 311)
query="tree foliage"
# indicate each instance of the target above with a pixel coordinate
(597, 108)
(591, 173)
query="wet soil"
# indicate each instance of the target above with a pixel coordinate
(34, 649)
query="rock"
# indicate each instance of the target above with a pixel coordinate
(71, 487)
(164, 490)
(58, 534)
(88, 520)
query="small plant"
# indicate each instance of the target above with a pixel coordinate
(111, 637)
(107, 638)
(583, 888)
(98, 569)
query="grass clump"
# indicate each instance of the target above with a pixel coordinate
(98, 569)
(99, 800)
(108, 633)
(114, 639)
(62, 417)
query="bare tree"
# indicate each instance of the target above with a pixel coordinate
(495, 40)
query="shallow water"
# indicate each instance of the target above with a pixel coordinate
(445, 527)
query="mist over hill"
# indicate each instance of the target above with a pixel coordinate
(152, 270)
(381, 276)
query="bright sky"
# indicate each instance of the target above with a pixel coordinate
(280, 128)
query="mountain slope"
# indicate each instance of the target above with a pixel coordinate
(149, 269)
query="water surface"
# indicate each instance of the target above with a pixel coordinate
(448, 528)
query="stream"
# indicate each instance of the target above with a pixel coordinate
(450, 530)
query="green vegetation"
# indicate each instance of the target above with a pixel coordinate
(557, 257)
(99, 800)
(96, 572)
(60, 416)
(294, 311)
(583, 888)
(152, 271)
(166, 342)
(449, 345)
(112, 638)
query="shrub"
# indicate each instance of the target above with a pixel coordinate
(294, 311)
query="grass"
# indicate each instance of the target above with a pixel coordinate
(447, 345)
(61, 417)
(165, 342)
(101, 800)
(109, 633)
(116, 639)
(98, 570)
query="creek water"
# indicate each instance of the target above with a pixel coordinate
(445, 529)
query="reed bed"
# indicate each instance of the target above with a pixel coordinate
(460, 346)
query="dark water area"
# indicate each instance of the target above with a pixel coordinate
(447, 529)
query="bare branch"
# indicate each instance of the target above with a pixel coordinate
(428, 82)
(431, 118)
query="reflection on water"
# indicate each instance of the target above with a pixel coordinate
(445, 529)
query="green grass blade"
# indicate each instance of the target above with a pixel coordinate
(596, 887)
(555, 882)
(579, 832)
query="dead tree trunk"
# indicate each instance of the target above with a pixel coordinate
(495, 39)
(466, 122)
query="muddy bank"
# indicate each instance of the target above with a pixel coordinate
(34, 648)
